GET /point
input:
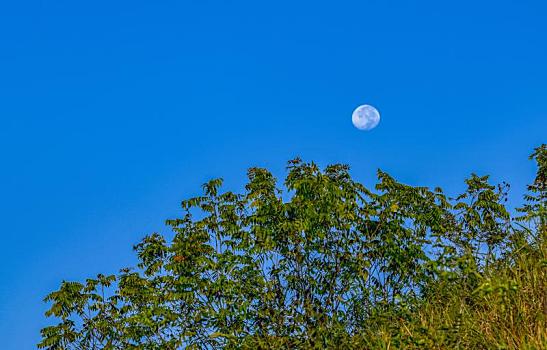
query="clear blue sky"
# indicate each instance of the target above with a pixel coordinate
(112, 112)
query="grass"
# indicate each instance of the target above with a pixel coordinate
(508, 310)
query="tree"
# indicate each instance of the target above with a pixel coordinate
(535, 209)
(312, 264)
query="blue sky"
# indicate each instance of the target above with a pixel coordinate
(112, 112)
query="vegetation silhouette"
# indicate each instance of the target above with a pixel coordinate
(324, 262)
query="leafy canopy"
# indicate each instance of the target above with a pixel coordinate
(315, 263)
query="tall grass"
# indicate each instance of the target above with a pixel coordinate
(508, 310)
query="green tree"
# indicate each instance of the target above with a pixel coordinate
(535, 210)
(318, 262)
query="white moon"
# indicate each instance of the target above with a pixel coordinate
(365, 117)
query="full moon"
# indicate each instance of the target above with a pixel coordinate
(365, 117)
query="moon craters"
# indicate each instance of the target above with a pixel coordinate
(365, 117)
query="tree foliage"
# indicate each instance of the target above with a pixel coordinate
(319, 262)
